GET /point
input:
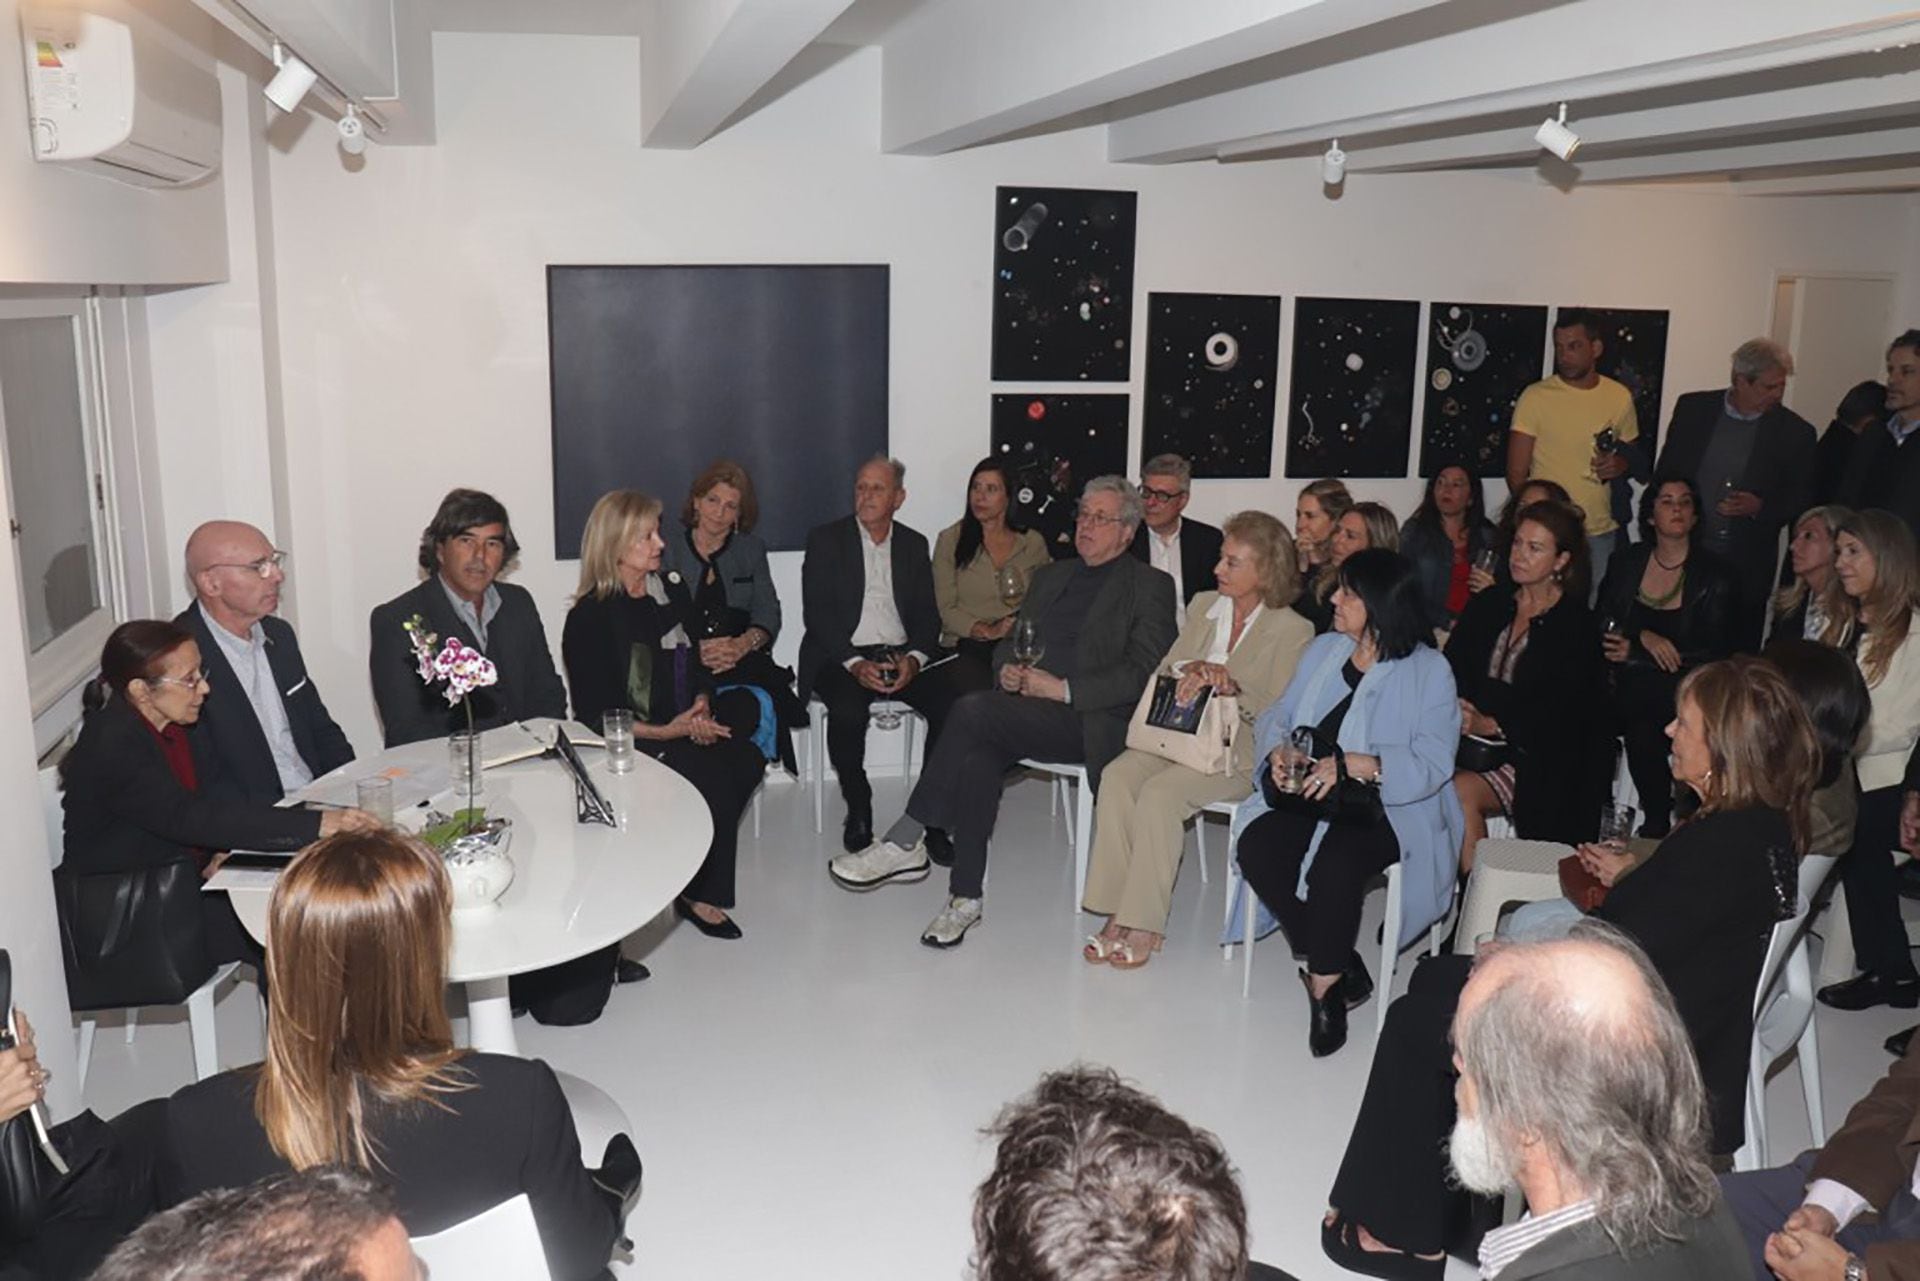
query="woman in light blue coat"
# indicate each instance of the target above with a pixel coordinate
(1378, 689)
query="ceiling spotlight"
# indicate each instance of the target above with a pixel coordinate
(1555, 136)
(1333, 165)
(291, 82)
(353, 132)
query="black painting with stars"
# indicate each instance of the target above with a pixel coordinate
(1063, 284)
(1480, 357)
(1054, 445)
(1351, 408)
(1211, 363)
(1634, 353)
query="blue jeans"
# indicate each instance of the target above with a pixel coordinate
(1600, 551)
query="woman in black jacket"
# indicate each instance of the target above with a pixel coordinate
(1527, 662)
(1702, 905)
(1443, 538)
(137, 794)
(1667, 605)
(361, 1069)
(627, 645)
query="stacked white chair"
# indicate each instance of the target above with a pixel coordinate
(1783, 1020)
(501, 1242)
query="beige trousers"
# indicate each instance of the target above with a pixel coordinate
(1139, 834)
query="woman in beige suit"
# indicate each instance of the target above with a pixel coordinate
(1241, 640)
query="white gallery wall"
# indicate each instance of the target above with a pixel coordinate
(410, 291)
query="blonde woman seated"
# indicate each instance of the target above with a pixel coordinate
(1243, 641)
(361, 1068)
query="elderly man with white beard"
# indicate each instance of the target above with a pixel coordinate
(1578, 1085)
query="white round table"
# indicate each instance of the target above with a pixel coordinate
(577, 887)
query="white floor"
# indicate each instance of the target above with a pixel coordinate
(808, 1100)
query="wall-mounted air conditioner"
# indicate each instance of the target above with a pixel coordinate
(117, 102)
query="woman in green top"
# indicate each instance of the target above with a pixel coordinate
(981, 566)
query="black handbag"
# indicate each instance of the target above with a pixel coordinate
(1478, 755)
(132, 937)
(25, 1176)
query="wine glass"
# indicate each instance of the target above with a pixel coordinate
(888, 716)
(1028, 647)
(1604, 442)
(1011, 581)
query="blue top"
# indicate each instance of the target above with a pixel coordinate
(1406, 712)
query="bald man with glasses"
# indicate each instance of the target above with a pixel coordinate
(263, 719)
(1184, 550)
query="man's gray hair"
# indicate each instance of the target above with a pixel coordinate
(1616, 1098)
(898, 468)
(1170, 465)
(1132, 509)
(1760, 356)
(291, 1227)
(1096, 1181)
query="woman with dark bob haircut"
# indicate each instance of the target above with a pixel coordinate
(1380, 705)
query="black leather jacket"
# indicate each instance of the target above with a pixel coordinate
(1701, 629)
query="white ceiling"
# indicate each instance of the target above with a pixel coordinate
(1774, 96)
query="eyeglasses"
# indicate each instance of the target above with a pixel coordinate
(1161, 495)
(1085, 517)
(263, 567)
(192, 680)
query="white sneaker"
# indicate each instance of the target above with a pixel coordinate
(879, 863)
(951, 926)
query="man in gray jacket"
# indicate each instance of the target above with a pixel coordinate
(1105, 621)
(1578, 1085)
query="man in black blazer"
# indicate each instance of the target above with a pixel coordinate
(463, 551)
(866, 588)
(1752, 460)
(1184, 550)
(1105, 621)
(1883, 469)
(263, 718)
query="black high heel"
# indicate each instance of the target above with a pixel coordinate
(1327, 1017)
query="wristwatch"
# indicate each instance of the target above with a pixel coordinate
(1856, 1269)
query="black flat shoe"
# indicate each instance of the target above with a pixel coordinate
(1869, 990)
(857, 833)
(627, 971)
(1898, 1043)
(725, 929)
(1340, 1242)
(1326, 1017)
(939, 847)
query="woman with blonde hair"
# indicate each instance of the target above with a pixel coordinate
(627, 645)
(1315, 513)
(361, 1069)
(1242, 641)
(1875, 562)
(1814, 606)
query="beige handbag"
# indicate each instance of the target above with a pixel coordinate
(1199, 736)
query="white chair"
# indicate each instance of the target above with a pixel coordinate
(501, 1242)
(1783, 1021)
(1223, 808)
(1080, 826)
(817, 751)
(1506, 871)
(200, 1022)
(1389, 958)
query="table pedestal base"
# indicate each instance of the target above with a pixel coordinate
(490, 1017)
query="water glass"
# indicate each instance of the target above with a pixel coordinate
(375, 796)
(464, 760)
(888, 714)
(1486, 560)
(1295, 765)
(1616, 826)
(616, 730)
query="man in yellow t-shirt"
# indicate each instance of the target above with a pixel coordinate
(1559, 426)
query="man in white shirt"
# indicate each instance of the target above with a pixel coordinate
(1854, 1203)
(872, 625)
(1578, 1085)
(1184, 550)
(263, 720)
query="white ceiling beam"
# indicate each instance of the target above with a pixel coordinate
(702, 60)
(963, 72)
(1828, 105)
(1831, 184)
(1581, 49)
(1828, 150)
